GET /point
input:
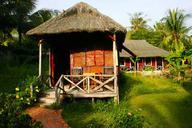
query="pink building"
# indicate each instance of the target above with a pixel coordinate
(148, 56)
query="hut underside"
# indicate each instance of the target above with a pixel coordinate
(82, 65)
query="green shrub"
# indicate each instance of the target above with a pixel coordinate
(94, 124)
(125, 119)
(12, 115)
(29, 90)
(148, 68)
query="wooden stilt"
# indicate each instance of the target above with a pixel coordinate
(50, 83)
(162, 63)
(93, 100)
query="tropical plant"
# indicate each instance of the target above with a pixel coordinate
(134, 61)
(12, 114)
(138, 22)
(29, 90)
(41, 16)
(175, 31)
(179, 62)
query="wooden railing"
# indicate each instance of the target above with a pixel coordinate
(85, 84)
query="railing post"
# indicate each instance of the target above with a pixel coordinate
(88, 84)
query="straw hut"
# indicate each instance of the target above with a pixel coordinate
(149, 55)
(84, 47)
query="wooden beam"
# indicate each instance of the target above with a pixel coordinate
(92, 95)
(104, 83)
(106, 86)
(76, 85)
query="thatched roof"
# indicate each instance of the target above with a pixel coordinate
(79, 18)
(141, 48)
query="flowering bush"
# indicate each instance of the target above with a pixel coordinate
(12, 115)
(29, 90)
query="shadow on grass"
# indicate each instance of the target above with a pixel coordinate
(170, 112)
(126, 82)
(187, 85)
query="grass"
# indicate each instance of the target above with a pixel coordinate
(13, 71)
(81, 114)
(161, 101)
(10, 77)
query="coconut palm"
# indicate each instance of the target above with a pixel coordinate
(41, 16)
(138, 22)
(175, 30)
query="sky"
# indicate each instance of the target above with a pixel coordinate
(120, 10)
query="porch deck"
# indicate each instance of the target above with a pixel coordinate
(86, 86)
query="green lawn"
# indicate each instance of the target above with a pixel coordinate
(163, 103)
(11, 76)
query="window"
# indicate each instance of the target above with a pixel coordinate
(121, 61)
(108, 70)
(148, 61)
(77, 71)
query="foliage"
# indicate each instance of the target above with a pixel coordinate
(175, 32)
(12, 115)
(134, 61)
(14, 13)
(29, 90)
(179, 62)
(148, 68)
(138, 22)
(41, 16)
(125, 119)
(100, 114)
(147, 34)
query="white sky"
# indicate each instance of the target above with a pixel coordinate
(119, 10)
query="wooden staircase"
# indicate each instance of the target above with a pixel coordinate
(48, 99)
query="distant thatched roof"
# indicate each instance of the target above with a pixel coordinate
(79, 18)
(141, 48)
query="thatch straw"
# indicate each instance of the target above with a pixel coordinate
(141, 48)
(79, 18)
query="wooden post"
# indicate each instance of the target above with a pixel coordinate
(155, 63)
(162, 63)
(40, 57)
(31, 90)
(88, 84)
(50, 83)
(115, 64)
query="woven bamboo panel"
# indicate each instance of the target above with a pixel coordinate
(99, 58)
(108, 58)
(90, 58)
(93, 69)
(79, 59)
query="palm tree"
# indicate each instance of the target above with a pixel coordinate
(41, 16)
(138, 22)
(175, 29)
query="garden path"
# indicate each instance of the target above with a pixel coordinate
(49, 118)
